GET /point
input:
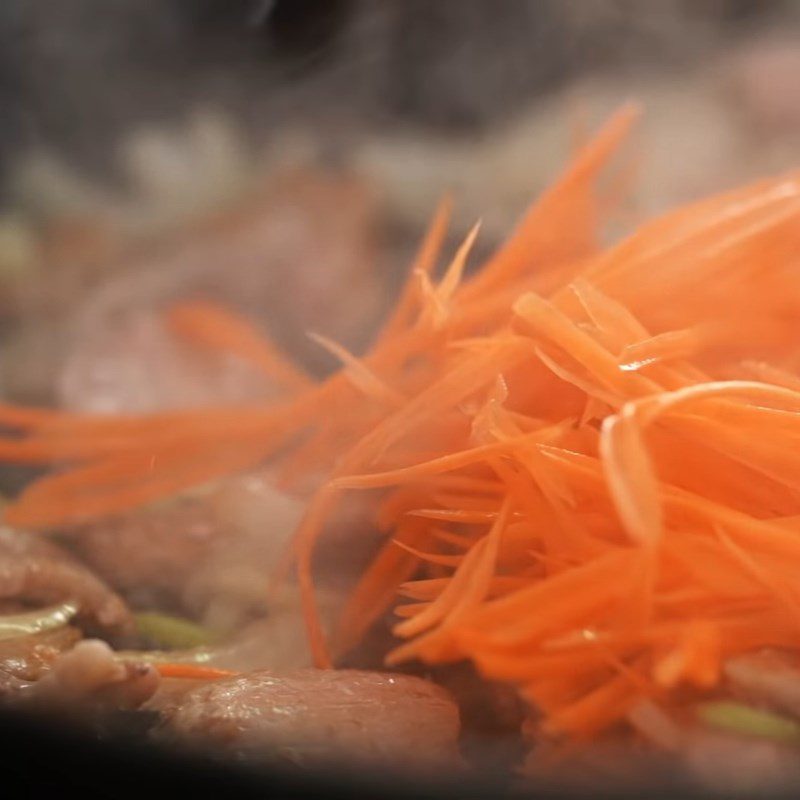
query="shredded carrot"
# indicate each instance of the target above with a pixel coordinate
(358, 373)
(208, 325)
(588, 458)
(193, 671)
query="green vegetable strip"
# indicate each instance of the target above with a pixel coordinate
(172, 633)
(743, 719)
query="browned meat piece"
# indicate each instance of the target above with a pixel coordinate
(278, 642)
(137, 366)
(149, 555)
(309, 716)
(208, 553)
(90, 675)
(767, 678)
(299, 256)
(36, 571)
(27, 658)
(229, 588)
(55, 670)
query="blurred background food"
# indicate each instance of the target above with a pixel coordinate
(283, 155)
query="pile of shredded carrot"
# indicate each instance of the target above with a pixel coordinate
(588, 457)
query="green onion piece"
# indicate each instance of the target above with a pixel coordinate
(38, 621)
(172, 633)
(743, 719)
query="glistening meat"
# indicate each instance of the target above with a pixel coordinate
(317, 715)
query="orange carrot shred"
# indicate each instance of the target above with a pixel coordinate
(208, 325)
(193, 672)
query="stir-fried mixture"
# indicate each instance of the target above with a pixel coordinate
(574, 468)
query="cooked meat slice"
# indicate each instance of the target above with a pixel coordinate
(208, 553)
(36, 571)
(30, 657)
(767, 678)
(24, 659)
(90, 675)
(150, 554)
(309, 716)
(55, 670)
(137, 366)
(11, 685)
(278, 642)
(297, 255)
(228, 589)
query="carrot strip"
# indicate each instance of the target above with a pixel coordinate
(424, 263)
(193, 672)
(561, 225)
(360, 375)
(437, 300)
(25, 418)
(631, 478)
(209, 325)
(670, 345)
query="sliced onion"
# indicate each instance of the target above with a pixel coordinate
(31, 622)
(199, 655)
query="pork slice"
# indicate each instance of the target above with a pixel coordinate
(30, 657)
(36, 571)
(24, 659)
(207, 553)
(278, 642)
(90, 676)
(56, 671)
(298, 258)
(310, 716)
(229, 588)
(150, 554)
(135, 365)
